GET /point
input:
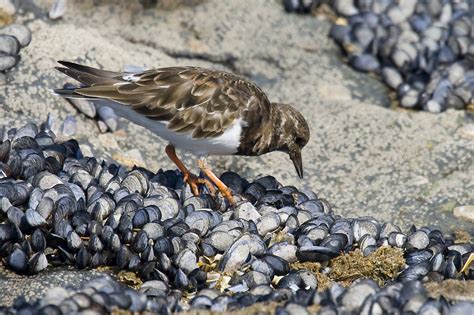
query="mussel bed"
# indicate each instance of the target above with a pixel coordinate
(422, 50)
(280, 246)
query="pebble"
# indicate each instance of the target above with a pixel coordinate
(82, 105)
(7, 10)
(108, 116)
(102, 126)
(464, 212)
(69, 126)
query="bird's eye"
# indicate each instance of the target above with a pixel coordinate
(300, 141)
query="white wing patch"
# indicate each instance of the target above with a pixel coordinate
(132, 73)
(131, 77)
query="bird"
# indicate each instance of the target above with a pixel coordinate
(203, 111)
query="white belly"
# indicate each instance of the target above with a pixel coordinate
(225, 144)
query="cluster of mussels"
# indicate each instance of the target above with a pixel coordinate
(423, 50)
(103, 295)
(12, 38)
(60, 208)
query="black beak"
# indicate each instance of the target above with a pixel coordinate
(295, 156)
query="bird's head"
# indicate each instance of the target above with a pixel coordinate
(291, 133)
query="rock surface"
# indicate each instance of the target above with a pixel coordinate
(365, 158)
(33, 287)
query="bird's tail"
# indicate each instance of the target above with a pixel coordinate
(88, 76)
(67, 92)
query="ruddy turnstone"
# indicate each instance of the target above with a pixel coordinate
(206, 112)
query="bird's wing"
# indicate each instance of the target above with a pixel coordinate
(201, 101)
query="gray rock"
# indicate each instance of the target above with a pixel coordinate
(84, 106)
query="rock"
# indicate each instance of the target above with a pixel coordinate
(464, 212)
(7, 12)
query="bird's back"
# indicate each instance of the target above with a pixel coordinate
(193, 100)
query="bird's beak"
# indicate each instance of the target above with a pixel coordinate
(295, 156)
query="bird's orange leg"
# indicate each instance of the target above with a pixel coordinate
(188, 177)
(225, 191)
(468, 263)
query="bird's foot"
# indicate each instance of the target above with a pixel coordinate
(223, 189)
(193, 181)
(189, 178)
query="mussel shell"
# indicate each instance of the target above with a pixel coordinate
(18, 260)
(37, 263)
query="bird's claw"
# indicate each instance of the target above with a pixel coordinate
(226, 192)
(223, 189)
(193, 181)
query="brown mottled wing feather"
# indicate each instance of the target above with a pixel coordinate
(201, 101)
